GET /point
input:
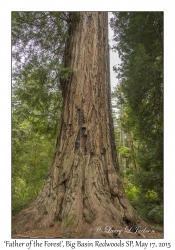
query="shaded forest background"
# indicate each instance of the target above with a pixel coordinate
(37, 49)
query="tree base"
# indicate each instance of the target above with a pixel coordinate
(90, 232)
(27, 224)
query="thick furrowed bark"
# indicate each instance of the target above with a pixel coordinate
(83, 183)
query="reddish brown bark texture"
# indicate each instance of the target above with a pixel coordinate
(83, 185)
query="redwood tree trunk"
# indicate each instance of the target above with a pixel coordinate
(83, 185)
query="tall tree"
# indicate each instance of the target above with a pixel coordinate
(83, 185)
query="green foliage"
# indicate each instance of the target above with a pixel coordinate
(31, 158)
(65, 73)
(124, 152)
(138, 39)
(130, 189)
(30, 162)
(156, 214)
(38, 40)
(33, 145)
(147, 202)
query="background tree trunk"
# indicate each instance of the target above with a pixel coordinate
(83, 185)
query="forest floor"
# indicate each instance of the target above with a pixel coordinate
(56, 232)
